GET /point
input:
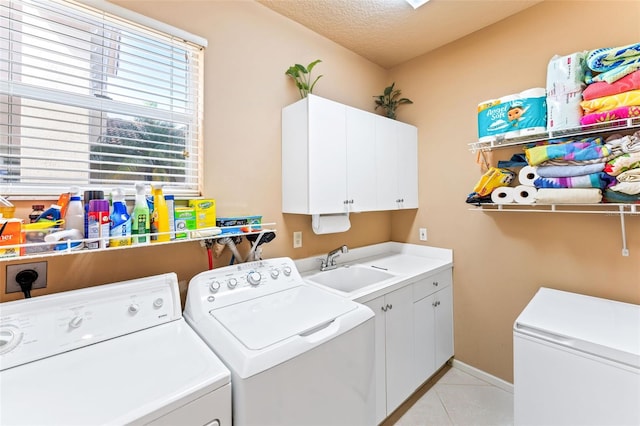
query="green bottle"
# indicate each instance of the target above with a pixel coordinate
(140, 220)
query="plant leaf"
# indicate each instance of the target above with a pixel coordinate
(313, 64)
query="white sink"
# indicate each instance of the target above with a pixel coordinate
(350, 278)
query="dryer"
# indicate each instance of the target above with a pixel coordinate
(298, 355)
(112, 354)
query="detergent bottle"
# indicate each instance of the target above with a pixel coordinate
(140, 226)
(120, 228)
(74, 218)
(160, 216)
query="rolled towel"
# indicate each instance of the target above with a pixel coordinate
(601, 88)
(568, 196)
(608, 103)
(632, 175)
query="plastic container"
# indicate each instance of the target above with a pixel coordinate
(74, 219)
(171, 211)
(160, 215)
(52, 214)
(34, 234)
(6, 208)
(98, 222)
(140, 221)
(120, 223)
(37, 210)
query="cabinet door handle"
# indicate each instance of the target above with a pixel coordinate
(384, 309)
(435, 283)
(390, 306)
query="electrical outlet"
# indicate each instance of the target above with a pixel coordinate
(40, 268)
(297, 239)
(423, 234)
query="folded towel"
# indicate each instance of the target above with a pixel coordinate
(578, 151)
(632, 175)
(631, 188)
(624, 144)
(569, 170)
(613, 62)
(609, 103)
(594, 180)
(619, 113)
(608, 58)
(622, 163)
(601, 89)
(568, 196)
(611, 196)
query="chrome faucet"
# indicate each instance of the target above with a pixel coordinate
(330, 262)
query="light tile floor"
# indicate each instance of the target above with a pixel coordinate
(460, 399)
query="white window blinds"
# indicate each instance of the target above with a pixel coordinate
(93, 100)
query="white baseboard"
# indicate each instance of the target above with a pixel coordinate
(502, 384)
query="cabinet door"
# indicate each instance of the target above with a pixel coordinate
(444, 326)
(361, 155)
(425, 338)
(386, 163)
(327, 156)
(376, 306)
(407, 166)
(399, 349)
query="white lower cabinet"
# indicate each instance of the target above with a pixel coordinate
(414, 337)
(433, 324)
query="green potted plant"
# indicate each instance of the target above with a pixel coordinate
(302, 76)
(390, 100)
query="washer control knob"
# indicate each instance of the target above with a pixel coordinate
(232, 283)
(158, 302)
(75, 322)
(214, 286)
(286, 270)
(275, 274)
(9, 339)
(254, 278)
(134, 308)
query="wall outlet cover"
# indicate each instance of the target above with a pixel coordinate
(423, 234)
(13, 270)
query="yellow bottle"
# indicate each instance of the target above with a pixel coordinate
(160, 218)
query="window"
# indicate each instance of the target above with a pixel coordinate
(90, 99)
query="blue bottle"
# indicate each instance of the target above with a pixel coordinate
(120, 229)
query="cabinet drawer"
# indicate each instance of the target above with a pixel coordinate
(431, 284)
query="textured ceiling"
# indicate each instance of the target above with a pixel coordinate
(390, 32)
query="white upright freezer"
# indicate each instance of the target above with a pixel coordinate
(576, 361)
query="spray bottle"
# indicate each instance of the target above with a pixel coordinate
(140, 221)
(160, 217)
(120, 228)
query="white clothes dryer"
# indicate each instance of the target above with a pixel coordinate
(298, 355)
(112, 354)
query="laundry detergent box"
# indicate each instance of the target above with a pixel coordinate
(10, 235)
(205, 213)
(185, 220)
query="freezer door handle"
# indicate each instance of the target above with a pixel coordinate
(544, 335)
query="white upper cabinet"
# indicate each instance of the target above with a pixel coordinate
(396, 164)
(338, 159)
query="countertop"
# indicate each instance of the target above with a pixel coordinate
(407, 262)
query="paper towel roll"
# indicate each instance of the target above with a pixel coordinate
(527, 175)
(330, 223)
(503, 195)
(524, 194)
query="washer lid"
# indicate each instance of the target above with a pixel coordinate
(134, 378)
(600, 327)
(264, 321)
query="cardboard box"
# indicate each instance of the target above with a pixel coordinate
(10, 235)
(185, 219)
(205, 213)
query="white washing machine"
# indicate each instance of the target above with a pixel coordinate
(113, 354)
(298, 355)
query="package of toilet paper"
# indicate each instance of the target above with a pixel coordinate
(497, 117)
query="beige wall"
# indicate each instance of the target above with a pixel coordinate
(500, 259)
